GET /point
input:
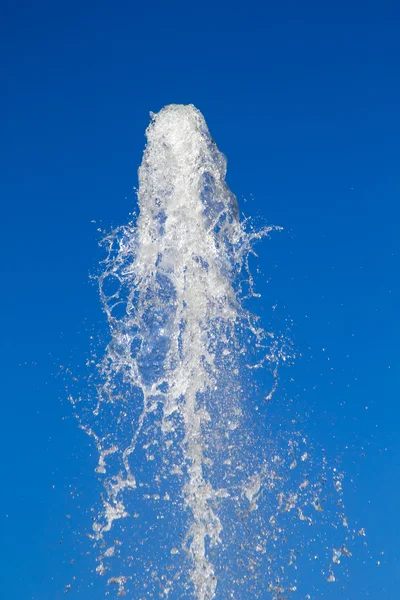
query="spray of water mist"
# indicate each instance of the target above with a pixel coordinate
(193, 504)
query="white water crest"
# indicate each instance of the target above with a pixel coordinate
(194, 504)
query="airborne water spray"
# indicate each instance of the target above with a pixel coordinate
(194, 504)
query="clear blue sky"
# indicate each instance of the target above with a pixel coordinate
(304, 99)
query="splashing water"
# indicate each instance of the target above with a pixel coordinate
(194, 505)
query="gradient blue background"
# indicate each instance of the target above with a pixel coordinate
(304, 99)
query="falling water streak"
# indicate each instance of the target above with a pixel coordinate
(173, 288)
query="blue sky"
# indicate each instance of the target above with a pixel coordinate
(303, 98)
